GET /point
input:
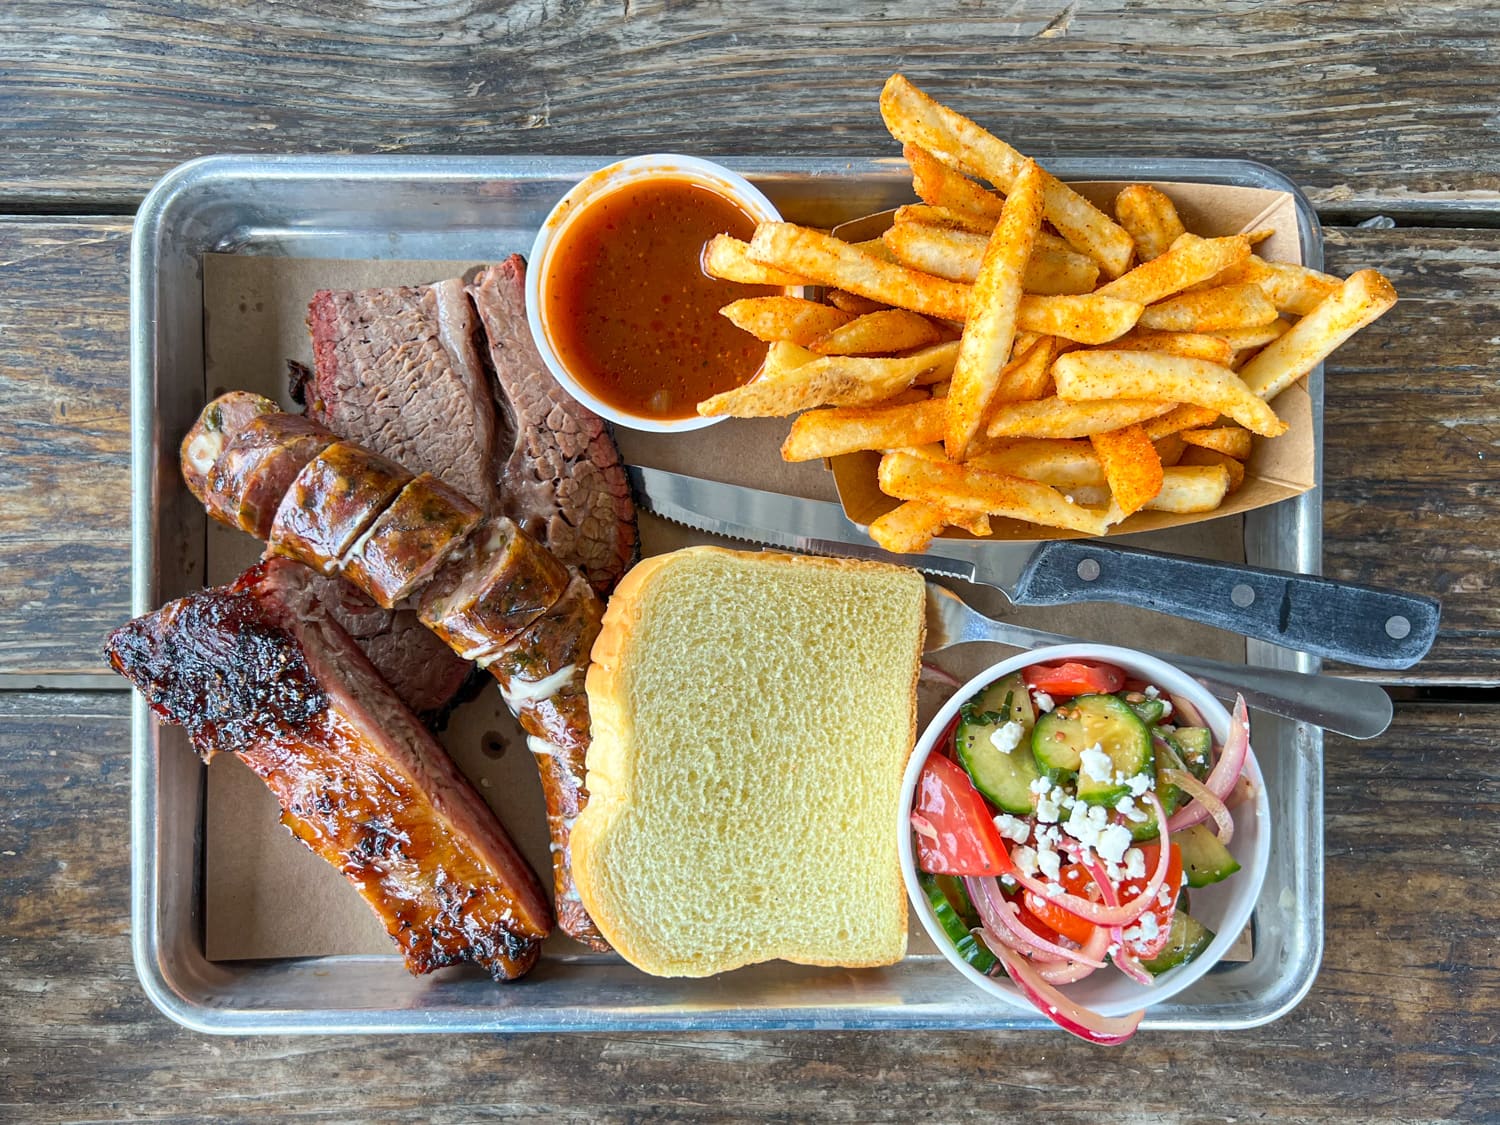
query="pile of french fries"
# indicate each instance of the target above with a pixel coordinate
(1018, 353)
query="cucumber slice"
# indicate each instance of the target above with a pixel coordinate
(1149, 711)
(958, 898)
(969, 947)
(1204, 859)
(1004, 778)
(1106, 721)
(1171, 797)
(1187, 938)
(1195, 746)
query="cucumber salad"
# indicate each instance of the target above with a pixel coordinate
(1060, 824)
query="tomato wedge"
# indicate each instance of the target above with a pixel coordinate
(1075, 880)
(1075, 677)
(967, 842)
(1130, 888)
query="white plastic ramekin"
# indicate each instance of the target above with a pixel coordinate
(595, 187)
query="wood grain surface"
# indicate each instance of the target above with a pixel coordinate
(1371, 107)
(1399, 1025)
(1413, 421)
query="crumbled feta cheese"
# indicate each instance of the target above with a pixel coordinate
(1085, 823)
(1042, 699)
(1040, 785)
(1095, 764)
(1007, 736)
(1140, 783)
(1047, 807)
(1127, 808)
(1144, 931)
(1113, 841)
(1009, 882)
(1135, 864)
(1166, 710)
(1025, 859)
(1013, 828)
(1054, 890)
(1050, 862)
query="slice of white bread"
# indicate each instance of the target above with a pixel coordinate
(752, 717)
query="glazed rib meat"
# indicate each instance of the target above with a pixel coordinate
(260, 670)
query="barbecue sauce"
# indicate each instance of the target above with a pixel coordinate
(631, 313)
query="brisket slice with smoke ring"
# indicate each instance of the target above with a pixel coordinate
(260, 670)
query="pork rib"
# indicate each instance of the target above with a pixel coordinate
(260, 670)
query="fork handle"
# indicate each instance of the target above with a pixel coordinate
(1361, 625)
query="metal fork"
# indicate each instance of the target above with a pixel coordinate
(1351, 707)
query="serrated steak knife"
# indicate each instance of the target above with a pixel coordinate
(1360, 625)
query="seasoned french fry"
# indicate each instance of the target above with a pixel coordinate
(1150, 218)
(1132, 467)
(852, 303)
(908, 528)
(1193, 345)
(1190, 260)
(938, 185)
(1185, 489)
(829, 433)
(875, 248)
(1169, 449)
(728, 259)
(1240, 339)
(1197, 455)
(828, 261)
(1229, 440)
(791, 319)
(1179, 418)
(1054, 418)
(921, 214)
(1092, 375)
(975, 490)
(1363, 298)
(1088, 319)
(1061, 464)
(1028, 375)
(914, 118)
(1206, 310)
(1291, 288)
(878, 333)
(956, 255)
(794, 379)
(984, 348)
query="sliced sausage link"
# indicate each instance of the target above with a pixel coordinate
(257, 467)
(503, 583)
(333, 500)
(219, 421)
(410, 540)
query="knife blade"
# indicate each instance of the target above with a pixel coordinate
(1357, 624)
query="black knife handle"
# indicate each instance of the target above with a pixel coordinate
(1360, 625)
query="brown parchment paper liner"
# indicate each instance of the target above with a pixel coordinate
(1278, 468)
(265, 895)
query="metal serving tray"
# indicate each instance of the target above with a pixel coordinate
(470, 208)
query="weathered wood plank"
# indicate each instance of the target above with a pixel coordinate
(1412, 440)
(64, 441)
(1368, 107)
(1398, 1027)
(1411, 425)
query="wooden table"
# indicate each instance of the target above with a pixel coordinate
(1377, 111)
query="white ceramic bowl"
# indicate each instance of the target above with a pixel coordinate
(606, 181)
(1223, 907)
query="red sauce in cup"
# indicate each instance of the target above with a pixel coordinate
(629, 310)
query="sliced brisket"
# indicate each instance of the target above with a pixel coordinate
(561, 478)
